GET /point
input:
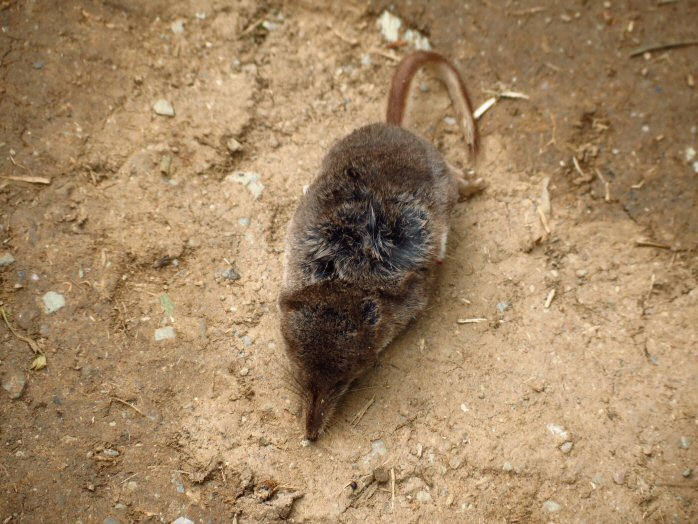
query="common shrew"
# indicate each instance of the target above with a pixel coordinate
(364, 243)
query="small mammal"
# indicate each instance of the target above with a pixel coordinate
(364, 243)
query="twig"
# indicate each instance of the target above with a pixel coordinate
(355, 421)
(127, 404)
(486, 105)
(649, 243)
(392, 489)
(353, 42)
(652, 281)
(531, 11)
(470, 320)
(252, 26)
(543, 219)
(606, 186)
(660, 47)
(32, 344)
(28, 179)
(549, 299)
(384, 54)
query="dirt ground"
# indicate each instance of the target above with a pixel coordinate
(574, 401)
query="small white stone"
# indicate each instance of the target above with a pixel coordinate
(178, 27)
(558, 431)
(690, 154)
(183, 520)
(165, 333)
(6, 259)
(244, 372)
(163, 108)
(53, 301)
(423, 496)
(552, 506)
(389, 26)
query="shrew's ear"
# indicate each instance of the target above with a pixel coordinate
(290, 301)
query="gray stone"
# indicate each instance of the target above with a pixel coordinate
(247, 340)
(13, 382)
(684, 442)
(165, 333)
(381, 475)
(163, 108)
(508, 467)
(251, 180)
(228, 274)
(6, 259)
(110, 453)
(566, 447)
(183, 520)
(111, 520)
(244, 221)
(551, 506)
(53, 301)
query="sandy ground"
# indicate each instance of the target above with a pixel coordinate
(574, 401)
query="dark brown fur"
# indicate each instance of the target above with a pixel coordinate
(360, 256)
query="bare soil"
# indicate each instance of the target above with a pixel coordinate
(575, 400)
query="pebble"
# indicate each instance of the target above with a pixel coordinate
(178, 27)
(131, 486)
(38, 65)
(566, 447)
(389, 26)
(244, 221)
(274, 142)
(244, 372)
(537, 385)
(690, 154)
(366, 60)
(247, 340)
(13, 382)
(183, 520)
(228, 274)
(111, 520)
(53, 301)
(165, 333)
(455, 462)
(233, 145)
(558, 431)
(684, 442)
(687, 473)
(503, 306)
(378, 449)
(110, 453)
(6, 259)
(423, 496)
(381, 475)
(449, 120)
(250, 180)
(508, 467)
(163, 108)
(619, 477)
(551, 506)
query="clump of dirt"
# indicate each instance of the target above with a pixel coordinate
(552, 379)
